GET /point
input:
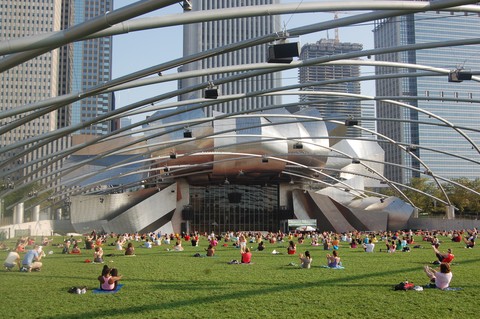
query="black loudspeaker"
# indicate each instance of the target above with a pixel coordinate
(211, 93)
(351, 122)
(297, 146)
(459, 76)
(282, 52)
(464, 76)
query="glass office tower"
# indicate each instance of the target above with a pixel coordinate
(92, 65)
(436, 142)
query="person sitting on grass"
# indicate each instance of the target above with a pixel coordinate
(391, 246)
(66, 247)
(292, 248)
(20, 247)
(98, 255)
(130, 251)
(335, 243)
(333, 261)
(115, 277)
(89, 244)
(261, 246)
(109, 278)
(470, 241)
(147, 243)
(210, 250)
(442, 257)
(369, 248)
(441, 278)
(246, 255)
(178, 245)
(76, 250)
(353, 244)
(305, 260)
(46, 241)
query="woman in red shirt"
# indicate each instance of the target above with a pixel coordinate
(292, 249)
(246, 256)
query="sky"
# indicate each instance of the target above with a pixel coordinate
(143, 49)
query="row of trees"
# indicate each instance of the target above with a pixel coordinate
(466, 202)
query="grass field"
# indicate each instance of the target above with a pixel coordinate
(166, 284)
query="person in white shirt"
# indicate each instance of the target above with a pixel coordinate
(13, 258)
(369, 247)
(441, 278)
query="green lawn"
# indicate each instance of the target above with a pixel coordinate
(166, 284)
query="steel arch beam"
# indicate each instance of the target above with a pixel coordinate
(54, 39)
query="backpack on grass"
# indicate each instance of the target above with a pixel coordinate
(404, 285)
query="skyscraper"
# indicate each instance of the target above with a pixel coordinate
(71, 68)
(32, 81)
(208, 35)
(317, 73)
(422, 28)
(92, 64)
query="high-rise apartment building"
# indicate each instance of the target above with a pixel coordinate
(204, 36)
(324, 72)
(408, 124)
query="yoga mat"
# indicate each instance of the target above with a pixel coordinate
(100, 291)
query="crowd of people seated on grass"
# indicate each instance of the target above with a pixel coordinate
(394, 241)
(293, 242)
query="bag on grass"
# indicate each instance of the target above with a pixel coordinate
(78, 290)
(404, 285)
